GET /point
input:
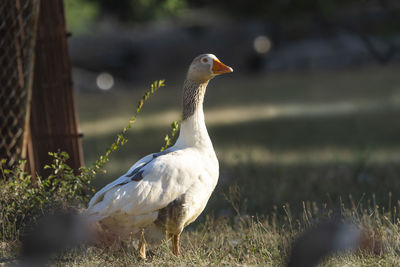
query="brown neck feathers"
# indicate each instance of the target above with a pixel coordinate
(193, 95)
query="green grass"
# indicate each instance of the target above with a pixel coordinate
(331, 131)
(284, 139)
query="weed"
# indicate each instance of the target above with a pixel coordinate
(23, 199)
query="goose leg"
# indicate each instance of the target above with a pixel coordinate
(175, 244)
(142, 246)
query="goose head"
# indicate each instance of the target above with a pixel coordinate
(205, 67)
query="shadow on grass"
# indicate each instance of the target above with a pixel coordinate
(266, 188)
(351, 131)
(268, 184)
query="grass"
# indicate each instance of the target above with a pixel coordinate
(251, 240)
(314, 142)
(243, 240)
(331, 132)
(284, 139)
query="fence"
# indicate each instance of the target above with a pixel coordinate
(17, 44)
(37, 113)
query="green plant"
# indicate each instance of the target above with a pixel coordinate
(19, 200)
(80, 15)
(168, 139)
(23, 199)
(63, 184)
(121, 137)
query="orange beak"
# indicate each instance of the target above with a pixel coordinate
(220, 68)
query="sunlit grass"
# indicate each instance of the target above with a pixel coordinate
(240, 114)
(256, 155)
(260, 240)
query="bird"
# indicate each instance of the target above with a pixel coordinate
(166, 191)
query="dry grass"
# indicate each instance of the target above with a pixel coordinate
(284, 140)
(244, 240)
(255, 241)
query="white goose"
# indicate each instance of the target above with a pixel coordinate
(168, 190)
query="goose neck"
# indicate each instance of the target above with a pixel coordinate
(193, 97)
(193, 130)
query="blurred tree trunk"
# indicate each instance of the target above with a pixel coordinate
(53, 122)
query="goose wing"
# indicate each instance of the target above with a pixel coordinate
(100, 194)
(151, 184)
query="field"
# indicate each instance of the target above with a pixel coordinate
(251, 241)
(294, 148)
(327, 139)
(283, 138)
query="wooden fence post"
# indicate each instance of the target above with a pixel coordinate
(53, 121)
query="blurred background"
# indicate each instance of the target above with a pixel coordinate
(311, 112)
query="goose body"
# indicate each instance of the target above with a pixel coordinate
(168, 190)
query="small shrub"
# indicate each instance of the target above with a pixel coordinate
(19, 200)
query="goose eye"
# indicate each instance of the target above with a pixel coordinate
(204, 60)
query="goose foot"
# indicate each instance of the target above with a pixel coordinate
(142, 250)
(142, 246)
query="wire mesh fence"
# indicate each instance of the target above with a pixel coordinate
(18, 20)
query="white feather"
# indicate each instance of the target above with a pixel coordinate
(188, 168)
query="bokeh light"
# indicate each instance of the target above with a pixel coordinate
(262, 44)
(105, 81)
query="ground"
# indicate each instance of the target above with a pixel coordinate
(285, 141)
